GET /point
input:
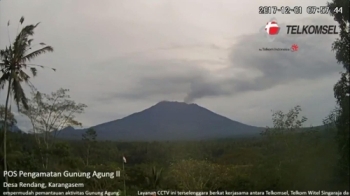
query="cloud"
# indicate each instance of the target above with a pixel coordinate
(197, 45)
(248, 69)
(160, 78)
(128, 56)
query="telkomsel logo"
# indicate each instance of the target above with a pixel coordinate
(271, 29)
(312, 29)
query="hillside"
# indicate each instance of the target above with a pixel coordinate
(13, 128)
(168, 121)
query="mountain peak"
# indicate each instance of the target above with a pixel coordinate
(171, 120)
(166, 102)
(171, 106)
(69, 128)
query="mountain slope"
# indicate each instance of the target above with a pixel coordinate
(168, 121)
(12, 128)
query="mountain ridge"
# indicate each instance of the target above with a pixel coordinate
(13, 128)
(168, 120)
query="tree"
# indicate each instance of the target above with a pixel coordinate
(290, 121)
(89, 138)
(279, 152)
(14, 61)
(10, 117)
(154, 179)
(342, 88)
(48, 114)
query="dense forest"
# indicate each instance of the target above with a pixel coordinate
(285, 157)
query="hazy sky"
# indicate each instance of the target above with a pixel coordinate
(120, 57)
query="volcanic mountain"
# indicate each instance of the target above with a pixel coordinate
(168, 121)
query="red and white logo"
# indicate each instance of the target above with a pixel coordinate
(272, 28)
(294, 48)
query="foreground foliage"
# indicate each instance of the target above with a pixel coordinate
(342, 88)
(14, 61)
(285, 157)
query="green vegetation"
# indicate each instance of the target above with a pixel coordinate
(284, 158)
(342, 87)
(14, 61)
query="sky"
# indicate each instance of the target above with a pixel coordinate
(121, 57)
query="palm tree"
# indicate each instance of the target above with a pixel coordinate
(153, 181)
(13, 62)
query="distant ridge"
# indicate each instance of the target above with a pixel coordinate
(168, 120)
(12, 128)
